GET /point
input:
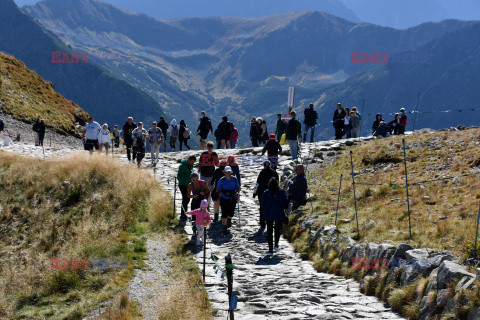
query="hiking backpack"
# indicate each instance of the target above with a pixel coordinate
(186, 133)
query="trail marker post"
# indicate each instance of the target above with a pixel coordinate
(204, 250)
(354, 194)
(229, 271)
(406, 186)
(476, 234)
(291, 98)
(338, 199)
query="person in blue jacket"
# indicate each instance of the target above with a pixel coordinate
(274, 201)
(228, 188)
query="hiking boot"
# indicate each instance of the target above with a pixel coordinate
(261, 230)
(229, 222)
(215, 217)
(225, 230)
(270, 253)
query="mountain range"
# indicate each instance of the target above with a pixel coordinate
(90, 86)
(244, 66)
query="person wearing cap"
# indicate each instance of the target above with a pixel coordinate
(403, 121)
(274, 201)
(156, 139)
(128, 128)
(184, 179)
(197, 191)
(229, 189)
(310, 122)
(202, 219)
(273, 149)
(174, 131)
(91, 134)
(263, 179)
(293, 133)
(217, 175)
(139, 135)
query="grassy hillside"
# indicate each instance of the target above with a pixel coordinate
(25, 95)
(443, 213)
(79, 208)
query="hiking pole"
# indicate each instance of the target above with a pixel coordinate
(354, 195)
(175, 197)
(204, 250)
(406, 186)
(338, 199)
(476, 234)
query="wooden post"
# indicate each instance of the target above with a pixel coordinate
(354, 194)
(406, 186)
(476, 234)
(229, 270)
(338, 199)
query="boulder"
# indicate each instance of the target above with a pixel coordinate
(349, 143)
(370, 250)
(385, 251)
(401, 249)
(331, 154)
(465, 283)
(327, 231)
(450, 271)
(416, 254)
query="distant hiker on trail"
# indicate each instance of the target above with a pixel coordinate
(263, 131)
(207, 163)
(338, 121)
(224, 132)
(156, 139)
(41, 132)
(280, 128)
(217, 175)
(35, 130)
(254, 134)
(229, 189)
(104, 138)
(394, 126)
(297, 190)
(184, 179)
(310, 122)
(382, 130)
(234, 137)
(355, 122)
(403, 121)
(128, 128)
(263, 180)
(183, 134)
(174, 132)
(139, 136)
(347, 126)
(163, 125)
(202, 221)
(203, 129)
(376, 123)
(274, 201)
(231, 161)
(292, 133)
(116, 137)
(197, 191)
(273, 149)
(91, 134)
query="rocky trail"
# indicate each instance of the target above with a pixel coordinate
(282, 286)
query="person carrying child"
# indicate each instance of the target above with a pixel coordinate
(202, 221)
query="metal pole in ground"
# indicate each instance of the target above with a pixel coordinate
(476, 234)
(175, 197)
(338, 199)
(406, 186)
(354, 194)
(229, 270)
(204, 250)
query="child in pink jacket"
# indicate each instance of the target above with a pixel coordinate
(202, 221)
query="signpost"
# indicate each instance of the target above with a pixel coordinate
(291, 98)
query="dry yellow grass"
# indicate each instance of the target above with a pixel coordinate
(79, 207)
(443, 215)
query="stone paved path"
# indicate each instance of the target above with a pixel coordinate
(278, 287)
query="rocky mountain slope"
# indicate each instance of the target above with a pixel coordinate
(25, 96)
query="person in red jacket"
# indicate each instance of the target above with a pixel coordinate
(403, 121)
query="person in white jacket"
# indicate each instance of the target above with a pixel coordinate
(104, 138)
(155, 138)
(174, 131)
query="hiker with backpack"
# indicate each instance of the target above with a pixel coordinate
(228, 188)
(202, 219)
(273, 149)
(310, 122)
(234, 137)
(263, 179)
(339, 121)
(128, 128)
(163, 125)
(203, 129)
(263, 131)
(197, 191)
(274, 201)
(104, 138)
(174, 132)
(184, 179)
(297, 189)
(217, 175)
(292, 133)
(183, 134)
(225, 129)
(156, 139)
(139, 135)
(403, 121)
(254, 132)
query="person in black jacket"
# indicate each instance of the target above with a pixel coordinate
(263, 179)
(292, 133)
(254, 134)
(128, 128)
(394, 125)
(273, 149)
(163, 125)
(181, 138)
(203, 129)
(297, 191)
(41, 132)
(338, 121)
(310, 122)
(376, 123)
